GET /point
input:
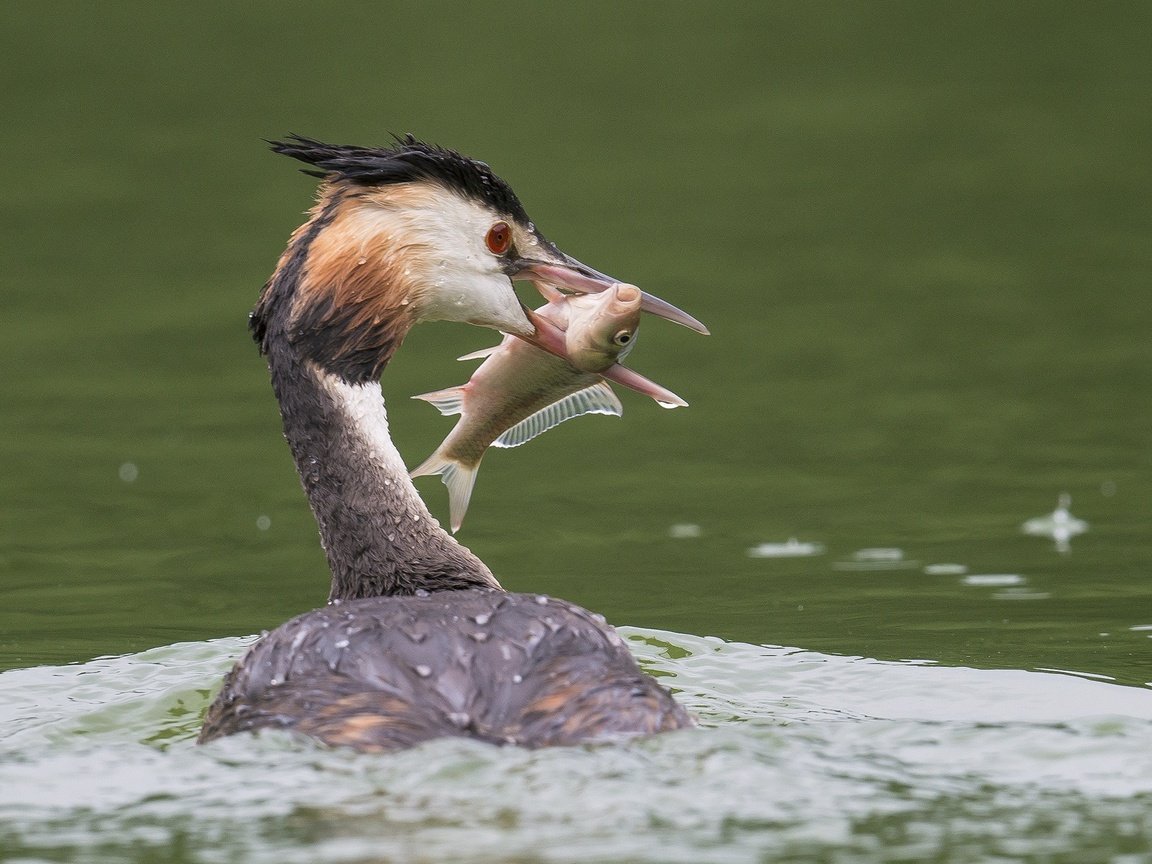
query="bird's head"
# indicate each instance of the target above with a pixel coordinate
(407, 234)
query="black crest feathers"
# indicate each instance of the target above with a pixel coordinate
(410, 160)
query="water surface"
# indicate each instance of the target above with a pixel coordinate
(801, 756)
(921, 237)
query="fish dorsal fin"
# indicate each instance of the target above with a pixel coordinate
(597, 399)
(447, 402)
(481, 354)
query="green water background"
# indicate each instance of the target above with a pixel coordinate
(921, 234)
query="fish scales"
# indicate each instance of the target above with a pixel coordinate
(541, 380)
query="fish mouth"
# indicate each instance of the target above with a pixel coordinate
(569, 276)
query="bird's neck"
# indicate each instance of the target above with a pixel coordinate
(378, 535)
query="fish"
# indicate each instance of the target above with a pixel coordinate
(521, 391)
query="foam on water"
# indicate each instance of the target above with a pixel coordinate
(800, 755)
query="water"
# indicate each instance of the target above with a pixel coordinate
(801, 756)
(920, 237)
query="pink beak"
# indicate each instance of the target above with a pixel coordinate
(575, 278)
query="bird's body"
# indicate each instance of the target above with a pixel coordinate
(419, 640)
(387, 673)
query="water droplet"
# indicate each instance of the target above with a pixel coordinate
(361, 261)
(420, 592)
(482, 619)
(263, 523)
(405, 301)
(343, 643)
(541, 600)
(129, 472)
(516, 679)
(479, 636)
(392, 537)
(423, 671)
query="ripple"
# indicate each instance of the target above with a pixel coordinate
(996, 580)
(944, 569)
(876, 558)
(793, 548)
(801, 756)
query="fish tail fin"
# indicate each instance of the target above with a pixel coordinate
(447, 402)
(458, 477)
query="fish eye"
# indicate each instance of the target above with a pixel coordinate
(622, 338)
(499, 238)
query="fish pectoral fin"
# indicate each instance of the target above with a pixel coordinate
(597, 399)
(459, 479)
(447, 402)
(481, 354)
(627, 377)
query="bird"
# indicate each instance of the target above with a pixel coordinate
(418, 639)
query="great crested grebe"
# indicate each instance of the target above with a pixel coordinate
(418, 641)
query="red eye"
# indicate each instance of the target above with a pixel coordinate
(499, 238)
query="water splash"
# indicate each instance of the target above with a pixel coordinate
(801, 756)
(1060, 525)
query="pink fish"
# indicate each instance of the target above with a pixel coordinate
(521, 391)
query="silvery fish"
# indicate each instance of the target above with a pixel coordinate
(521, 391)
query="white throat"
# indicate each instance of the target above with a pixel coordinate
(362, 406)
